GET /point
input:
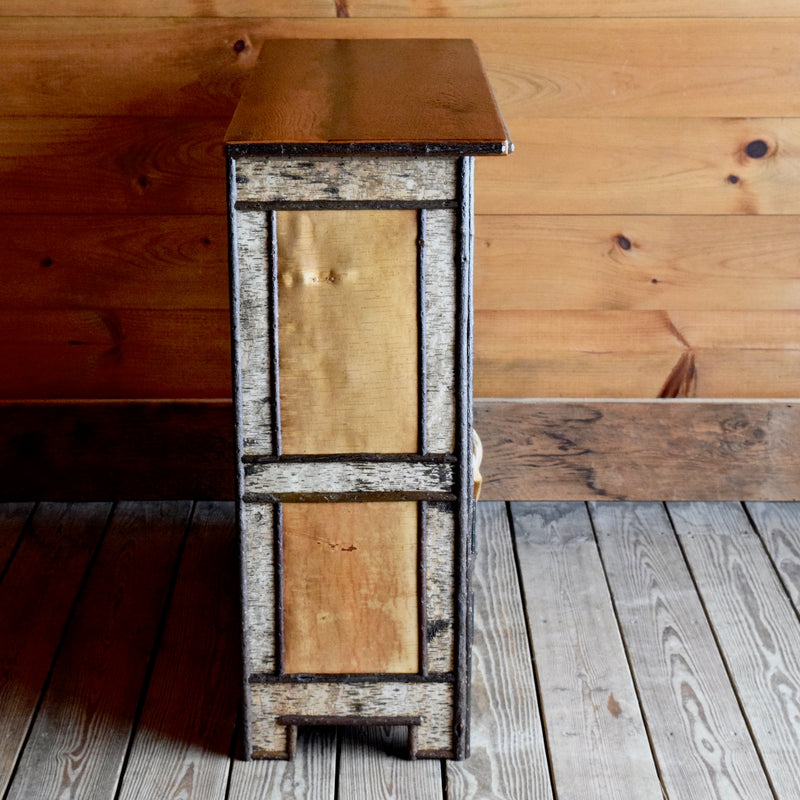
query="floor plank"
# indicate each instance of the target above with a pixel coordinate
(185, 734)
(778, 524)
(591, 711)
(372, 765)
(78, 742)
(755, 625)
(310, 776)
(700, 737)
(508, 760)
(36, 597)
(13, 517)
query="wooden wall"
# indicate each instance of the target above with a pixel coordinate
(642, 242)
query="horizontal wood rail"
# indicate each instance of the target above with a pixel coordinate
(561, 449)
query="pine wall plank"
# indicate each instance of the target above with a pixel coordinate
(640, 242)
(405, 8)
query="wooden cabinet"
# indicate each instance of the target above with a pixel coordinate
(350, 197)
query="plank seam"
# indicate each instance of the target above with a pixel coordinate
(531, 653)
(162, 624)
(787, 592)
(631, 671)
(721, 651)
(23, 531)
(59, 648)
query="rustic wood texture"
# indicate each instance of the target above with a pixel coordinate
(310, 775)
(363, 616)
(78, 742)
(639, 450)
(778, 528)
(754, 623)
(257, 522)
(389, 94)
(295, 478)
(370, 767)
(433, 702)
(631, 121)
(58, 547)
(347, 299)
(577, 450)
(692, 712)
(185, 733)
(589, 701)
(508, 759)
(355, 178)
(440, 576)
(508, 678)
(251, 333)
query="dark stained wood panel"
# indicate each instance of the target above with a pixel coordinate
(370, 94)
(154, 261)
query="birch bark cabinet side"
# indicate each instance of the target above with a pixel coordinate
(350, 169)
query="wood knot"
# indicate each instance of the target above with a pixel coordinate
(758, 148)
(239, 45)
(624, 242)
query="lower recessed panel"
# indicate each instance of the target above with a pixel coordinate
(350, 587)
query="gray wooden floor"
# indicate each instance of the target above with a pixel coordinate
(621, 651)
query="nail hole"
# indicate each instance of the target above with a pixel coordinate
(47, 262)
(239, 45)
(733, 179)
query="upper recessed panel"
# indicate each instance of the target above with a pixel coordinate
(368, 96)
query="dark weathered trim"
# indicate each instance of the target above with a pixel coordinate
(307, 149)
(280, 638)
(344, 205)
(350, 677)
(422, 361)
(234, 296)
(422, 587)
(464, 453)
(273, 303)
(356, 458)
(346, 497)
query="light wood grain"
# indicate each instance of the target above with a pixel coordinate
(348, 331)
(311, 775)
(642, 166)
(699, 735)
(363, 616)
(639, 450)
(79, 739)
(58, 547)
(440, 580)
(13, 517)
(711, 354)
(185, 734)
(508, 760)
(778, 524)
(636, 262)
(537, 67)
(406, 8)
(371, 765)
(590, 708)
(754, 623)
(257, 521)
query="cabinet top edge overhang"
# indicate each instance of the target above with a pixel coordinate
(367, 97)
